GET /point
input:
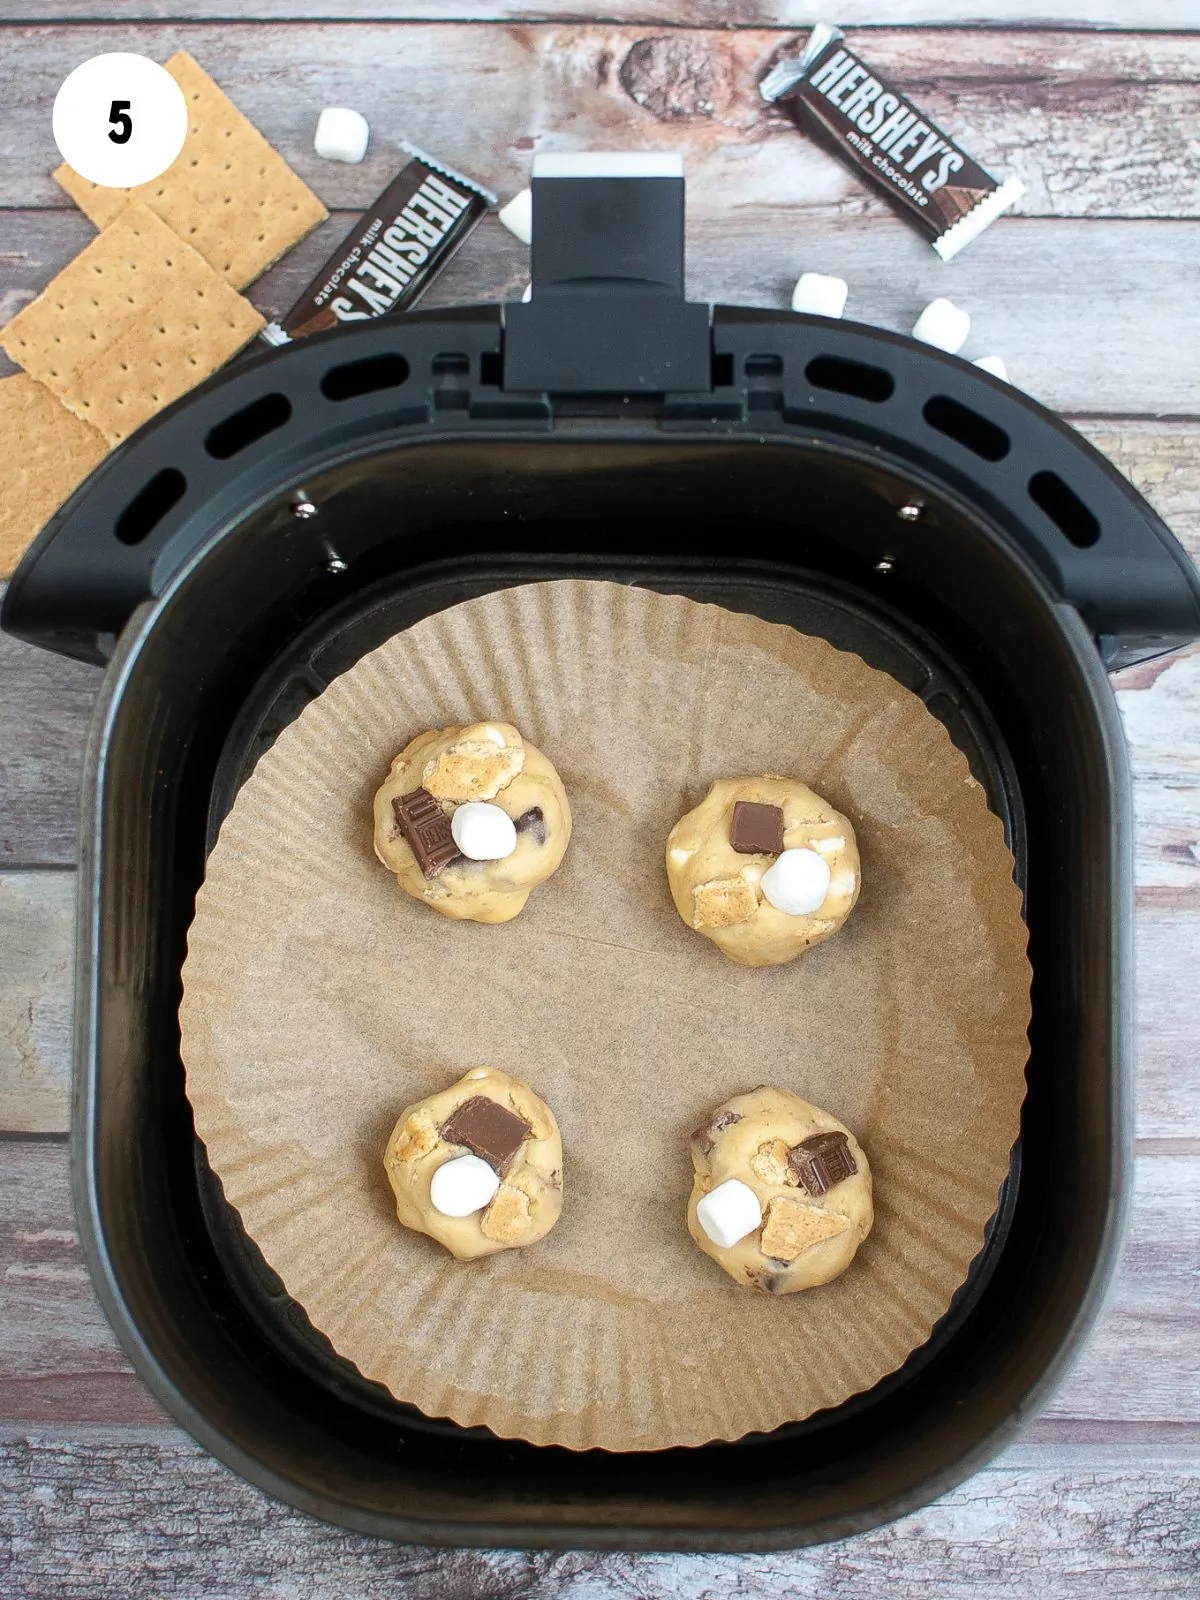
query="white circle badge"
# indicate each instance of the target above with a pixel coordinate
(120, 120)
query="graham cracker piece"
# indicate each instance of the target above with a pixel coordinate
(723, 902)
(229, 193)
(136, 320)
(472, 769)
(47, 453)
(793, 1227)
(507, 1218)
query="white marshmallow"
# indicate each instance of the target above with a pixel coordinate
(820, 295)
(462, 1186)
(482, 831)
(943, 325)
(517, 216)
(994, 365)
(797, 882)
(527, 294)
(341, 135)
(729, 1212)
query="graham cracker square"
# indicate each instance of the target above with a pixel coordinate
(136, 320)
(229, 193)
(47, 453)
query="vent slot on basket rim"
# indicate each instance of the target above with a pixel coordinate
(859, 379)
(967, 427)
(150, 505)
(1064, 508)
(370, 375)
(238, 432)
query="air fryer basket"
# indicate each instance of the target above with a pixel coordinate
(261, 535)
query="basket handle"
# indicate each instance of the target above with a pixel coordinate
(607, 313)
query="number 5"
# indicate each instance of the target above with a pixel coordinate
(119, 114)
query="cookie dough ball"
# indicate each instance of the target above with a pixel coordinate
(471, 819)
(478, 1167)
(782, 1193)
(764, 868)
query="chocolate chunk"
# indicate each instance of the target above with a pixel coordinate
(532, 821)
(756, 830)
(490, 1130)
(834, 95)
(822, 1161)
(704, 1137)
(426, 829)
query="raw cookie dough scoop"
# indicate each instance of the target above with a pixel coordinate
(478, 1166)
(782, 1192)
(764, 868)
(471, 819)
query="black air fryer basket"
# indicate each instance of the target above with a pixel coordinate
(261, 535)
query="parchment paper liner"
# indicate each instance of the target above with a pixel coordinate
(319, 1000)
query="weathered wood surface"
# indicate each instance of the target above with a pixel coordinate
(45, 705)
(100, 1513)
(37, 927)
(1092, 317)
(1096, 124)
(1139, 15)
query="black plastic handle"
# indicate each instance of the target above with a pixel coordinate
(607, 313)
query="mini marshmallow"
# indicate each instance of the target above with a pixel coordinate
(994, 365)
(482, 831)
(820, 295)
(462, 1186)
(517, 216)
(943, 325)
(341, 135)
(729, 1212)
(797, 882)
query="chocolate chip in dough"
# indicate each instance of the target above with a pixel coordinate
(532, 821)
(704, 1137)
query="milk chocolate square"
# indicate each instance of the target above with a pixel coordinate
(490, 1130)
(756, 830)
(427, 832)
(822, 1161)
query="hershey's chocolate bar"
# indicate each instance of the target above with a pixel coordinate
(822, 1161)
(394, 252)
(881, 133)
(426, 830)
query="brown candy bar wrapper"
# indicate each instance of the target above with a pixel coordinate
(320, 1000)
(393, 253)
(878, 130)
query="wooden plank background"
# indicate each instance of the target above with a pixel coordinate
(1090, 293)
